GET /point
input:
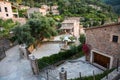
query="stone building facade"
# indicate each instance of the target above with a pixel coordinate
(105, 44)
(72, 26)
(55, 10)
(5, 9)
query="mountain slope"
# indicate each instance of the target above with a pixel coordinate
(115, 4)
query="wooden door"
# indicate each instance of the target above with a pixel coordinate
(101, 59)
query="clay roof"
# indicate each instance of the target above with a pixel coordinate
(107, 25)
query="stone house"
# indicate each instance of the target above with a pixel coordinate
(54, 10)
(33, 10)
(71, 26)
(5, 9)
(22, 7)
(105, 45)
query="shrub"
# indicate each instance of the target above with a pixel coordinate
(97, 77)
(82, 39)
(46, 61)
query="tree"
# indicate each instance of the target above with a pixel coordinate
(19, 1)
(42, 27)
(31, 3)
(82, 39)
(22, 34)
(6, 26)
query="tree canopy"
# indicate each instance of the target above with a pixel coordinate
(5, 27)
(37, 28)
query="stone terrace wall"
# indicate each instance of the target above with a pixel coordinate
(101, 39)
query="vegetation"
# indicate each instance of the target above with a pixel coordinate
(93, 12)
(82, 39)
(55, 58)
(22, 34)
(115, 4)
(36, 29)
(5, 27)
(22, 13)
(97, 77)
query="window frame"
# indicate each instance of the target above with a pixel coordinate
(115, 38)
(6, 9)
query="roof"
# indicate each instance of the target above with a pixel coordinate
(107, 25)
(34, 8)
(69, 21)
(5, 1)
(66, 27)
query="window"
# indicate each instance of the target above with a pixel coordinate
(115, 38)
(7, 15)
(6, 10)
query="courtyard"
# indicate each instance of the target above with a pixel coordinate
(15, 68)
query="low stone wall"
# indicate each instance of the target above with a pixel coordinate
(114, 75)
(2, 55)
(31, 48)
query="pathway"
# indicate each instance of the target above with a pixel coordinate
(14, 68)
(79, 65)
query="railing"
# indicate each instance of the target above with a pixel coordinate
(49, 72)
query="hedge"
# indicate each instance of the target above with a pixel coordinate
(47, 61)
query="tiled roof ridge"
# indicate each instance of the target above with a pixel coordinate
(106, 25)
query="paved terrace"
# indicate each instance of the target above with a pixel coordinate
(14, 68)
(51, 47)
(115, 75)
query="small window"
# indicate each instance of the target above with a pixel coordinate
(115, 38)
(6, 10)
(7, 15)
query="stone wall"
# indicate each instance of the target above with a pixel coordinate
(2, 54)
(100, 39)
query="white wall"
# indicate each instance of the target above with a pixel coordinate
(4, 4)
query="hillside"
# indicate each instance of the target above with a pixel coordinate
(93, 12)
(115, 4)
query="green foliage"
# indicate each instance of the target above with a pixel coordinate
(97, 77)
(82, 38)
(83, 9)
(115, 4)
(41, 26)
(72, 38)
(22, 13)
(23, 35)
(36, 29)
(6, 25)
(43, 62)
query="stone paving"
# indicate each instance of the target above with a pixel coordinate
(48, 49)
(112, 75)
(14, 68)
(73, 67)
